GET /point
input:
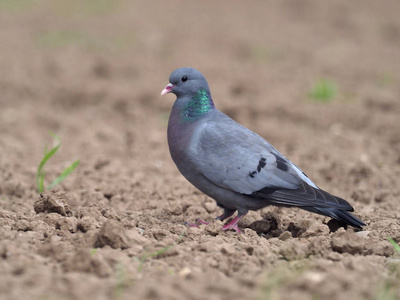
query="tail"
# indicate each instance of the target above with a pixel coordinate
(342, 216)
(311, 199)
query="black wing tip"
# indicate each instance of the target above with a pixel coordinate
(342, 216)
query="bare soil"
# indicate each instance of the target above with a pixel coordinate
(92, 73)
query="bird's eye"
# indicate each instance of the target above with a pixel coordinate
(184, 78)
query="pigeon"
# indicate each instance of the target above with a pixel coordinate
(236, 167)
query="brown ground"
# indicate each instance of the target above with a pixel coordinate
(93, 72)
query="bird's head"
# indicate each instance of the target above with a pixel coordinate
(186, 82)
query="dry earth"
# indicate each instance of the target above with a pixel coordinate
(92, 71)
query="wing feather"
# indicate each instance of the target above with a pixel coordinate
(235, 158)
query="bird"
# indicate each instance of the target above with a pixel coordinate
(233, 165)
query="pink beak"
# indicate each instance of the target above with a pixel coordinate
(167, 89)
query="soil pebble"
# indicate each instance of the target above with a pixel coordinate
(347, 242)
(270, 222)
(53, 202)
(113, 234)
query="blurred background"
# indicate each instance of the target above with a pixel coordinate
(318, 79)
(92, 69)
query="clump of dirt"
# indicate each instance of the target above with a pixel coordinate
(270, 224)
(113, 234)
(53, 202)
(347, 242)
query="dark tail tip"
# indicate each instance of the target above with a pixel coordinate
(342, 216)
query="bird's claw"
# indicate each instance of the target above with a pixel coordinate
(201, 221)
(233, 227)
(233, 224)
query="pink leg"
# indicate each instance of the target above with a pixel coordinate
(233, 224)
(201, 221)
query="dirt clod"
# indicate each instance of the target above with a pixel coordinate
(295, 229)
(87, 223)
(347, 242)
(270, 222)
(292, 250)
(285, 235)
(54, 201)
(113, 234)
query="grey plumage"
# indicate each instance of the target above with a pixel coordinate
(233, 165)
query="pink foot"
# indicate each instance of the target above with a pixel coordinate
(233, 224)
(202, 222)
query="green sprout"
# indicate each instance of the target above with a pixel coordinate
(394, 244)
(145, 256)
(151, 255)
(40, 175)
(62, 38)
(16, 5)
(261, 54)
(323, 91)
(389, 287)
(386, 79)
(121, 281)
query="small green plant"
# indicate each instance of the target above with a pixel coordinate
(151, 255)
(66, 38)
(40, 175)
(121, 281)
(260, 54)
(323, 91)
(395, 245)
(63, 38)
(145, 256)
(386, 79)
(386, 291)
(85, 8)
(389, 287)
(16, 5)
(280, 277)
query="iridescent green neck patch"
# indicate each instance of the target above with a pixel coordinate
(199, 105)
